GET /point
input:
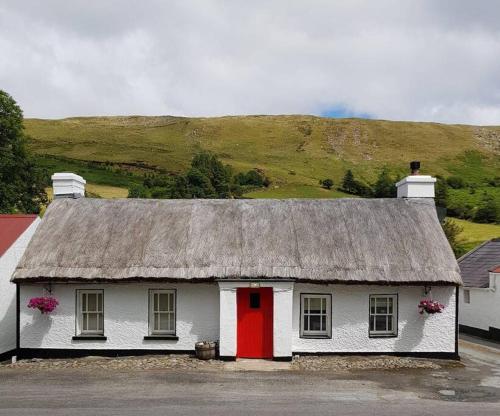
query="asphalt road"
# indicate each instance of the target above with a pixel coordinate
(470, 390)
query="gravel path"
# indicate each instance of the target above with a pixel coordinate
(187, 362)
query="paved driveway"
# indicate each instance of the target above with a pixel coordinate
(470, 390)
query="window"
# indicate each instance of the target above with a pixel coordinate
(383, 315)
(254, 300)
(466, 296)
(315, 320)
(90, 312)
(162, 312)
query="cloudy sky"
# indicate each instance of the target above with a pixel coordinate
(435, 60)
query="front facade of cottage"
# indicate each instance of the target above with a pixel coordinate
(264, 278)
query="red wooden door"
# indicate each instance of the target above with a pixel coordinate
(255, 322)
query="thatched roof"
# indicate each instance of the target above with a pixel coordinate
(341, 240)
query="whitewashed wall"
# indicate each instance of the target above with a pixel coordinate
(125, 317)
(350, 309)
(198, 311)
(483, 310)
(8, 263)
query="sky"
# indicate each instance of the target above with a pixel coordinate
(422, 60)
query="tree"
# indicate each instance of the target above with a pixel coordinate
(384, 187)
(207, 164)
(452, 231)
(349, 183)
(441, 197)
(488, 211)
(354, 187)
(326, 183)
(22, 184)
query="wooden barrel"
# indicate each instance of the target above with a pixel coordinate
(205, 350)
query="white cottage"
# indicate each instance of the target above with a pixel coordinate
(266, 278)
(16, 231)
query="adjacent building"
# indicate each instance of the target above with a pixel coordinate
(15, 233)
(480, 300)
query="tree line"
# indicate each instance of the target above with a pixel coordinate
(207, 177)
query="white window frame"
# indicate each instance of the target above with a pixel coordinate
(327, 332)
(152, 330)
(80, 312)
(393, 316)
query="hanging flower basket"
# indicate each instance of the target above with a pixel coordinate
(430, 306)
(43, 304)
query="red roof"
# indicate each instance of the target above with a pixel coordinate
(11, 228)
(496, 269)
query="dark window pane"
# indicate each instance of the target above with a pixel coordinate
(323, 323)
(315, 323)
(389, 323)
(255, 300)
(372, 323)
(380, 323)
(306, 323)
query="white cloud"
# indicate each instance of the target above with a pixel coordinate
(412, 60)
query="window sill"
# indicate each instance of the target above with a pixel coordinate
(161, 338)
(382, 335)
(89, 338)
(316, 336)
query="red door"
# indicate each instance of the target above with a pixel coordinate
(255, 322)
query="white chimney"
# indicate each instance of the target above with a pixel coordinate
(68, 185)
(416, 185)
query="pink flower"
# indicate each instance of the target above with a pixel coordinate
(43, 304)
(430, 306)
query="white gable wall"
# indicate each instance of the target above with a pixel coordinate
(8, 263)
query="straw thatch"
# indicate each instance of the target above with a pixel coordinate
(343, 240)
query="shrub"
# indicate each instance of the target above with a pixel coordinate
(137, 191)
(455, 182)
(326, 183)
(488, 211)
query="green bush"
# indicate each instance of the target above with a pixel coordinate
(488, 211)
(326, 183)
(456, 182)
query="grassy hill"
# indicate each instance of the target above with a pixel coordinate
(295, 152)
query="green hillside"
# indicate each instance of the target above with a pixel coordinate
(294, 152)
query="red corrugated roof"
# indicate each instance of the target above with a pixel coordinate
(11, 228)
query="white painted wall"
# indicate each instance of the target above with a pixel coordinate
(8, 263)
(198, 311)
(282, 323)
(483, 310)
(125, 317)
(350, 311)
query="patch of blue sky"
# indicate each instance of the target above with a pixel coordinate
(343, 112)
